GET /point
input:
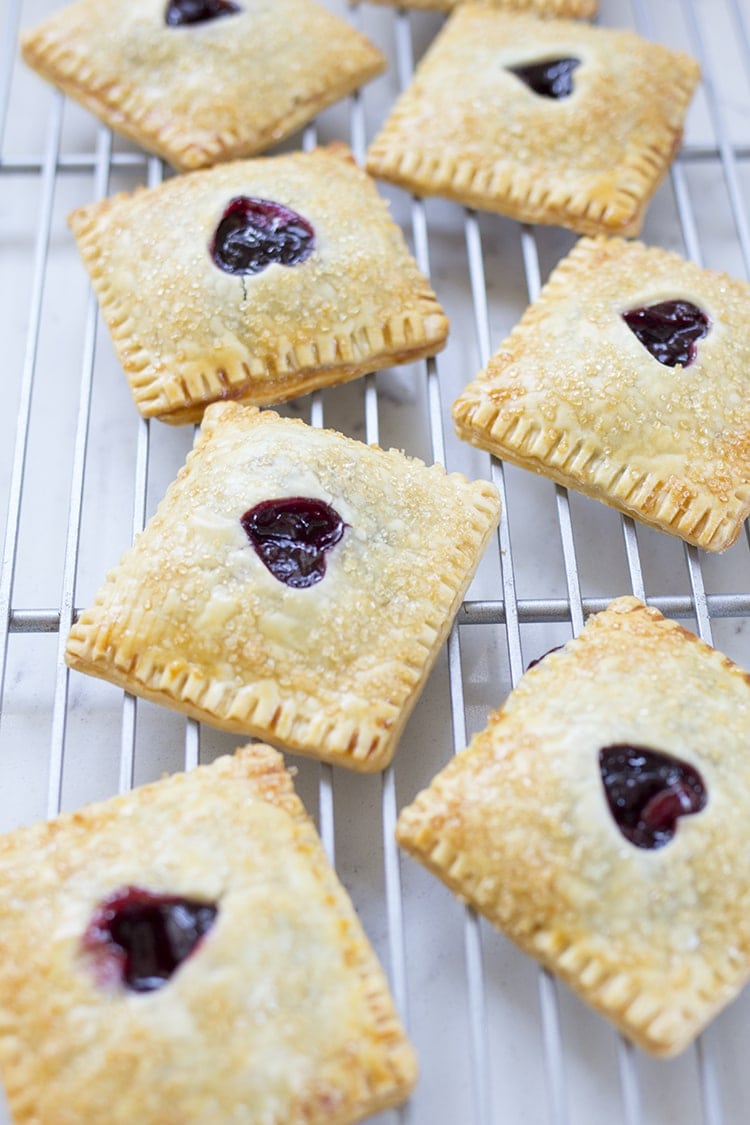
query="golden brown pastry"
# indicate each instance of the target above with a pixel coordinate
(627, 379)
(547, 121)
(184, 954)
(294, 584)
(201, 81)
(574, 8)
(258, 280)
(602, 821)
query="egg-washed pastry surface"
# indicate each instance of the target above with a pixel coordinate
(258, 280)
(294, 584)
(602, 821)
(627, 379)
(572, 8)
(185, 954)
(547, 121)
(199, 83)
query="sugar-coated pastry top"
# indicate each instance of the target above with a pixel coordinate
(279, 1016)
(201, 92)
(469, 128)
(334, 294)
(200, 617)
(627, 379)
(652, 931)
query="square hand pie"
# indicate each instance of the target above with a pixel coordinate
(547, 121)
(201, 82)
(184, 954)
(294, 585)
(576, 8)
(258, 280)
(602, 821)
(628, 379)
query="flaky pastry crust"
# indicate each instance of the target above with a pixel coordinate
(468, 129)
(204, 93)
(192, 618)
(573, 394)
(187, 333)
(282, 1016)
(518, 825)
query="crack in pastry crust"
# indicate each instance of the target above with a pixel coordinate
(199, 95)
(519, 826)
(192, 618)
(574, 395)
(187, 333)
(467, 129)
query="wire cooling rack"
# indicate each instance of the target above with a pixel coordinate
(499, 1040)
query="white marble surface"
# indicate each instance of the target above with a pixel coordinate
(544, 1056)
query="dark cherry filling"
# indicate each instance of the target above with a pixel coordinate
(182, 12)
(254, 233)
(669, 330)
(647, 791)
(550, 79)
(291, 537)
(140, 937)
(539, 659)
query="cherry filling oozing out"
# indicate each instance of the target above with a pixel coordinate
(552, 78)
(180, 13)
(648, 791)
(291, 537)
(669, 330)
(254, 233)
(539, 659)
(139, 937)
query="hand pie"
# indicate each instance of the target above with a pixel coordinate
(258, 280)
(294, 585)
(201, 81)
(547, 121)
(184, 954)
(629, 380)
(602, 821)
(583, 8)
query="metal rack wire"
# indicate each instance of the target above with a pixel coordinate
(499, 1040)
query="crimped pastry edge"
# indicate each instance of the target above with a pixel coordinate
(332, 358)
(122, 107)
(263, 768)
(256, 711)
(487, 184)
(664, 1030)
(694, 518)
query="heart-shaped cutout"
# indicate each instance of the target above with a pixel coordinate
(291, 537)
(552, 78)
(669, 330)
(180, 13)
(139, 937)
(648, 791)
(254, 233)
